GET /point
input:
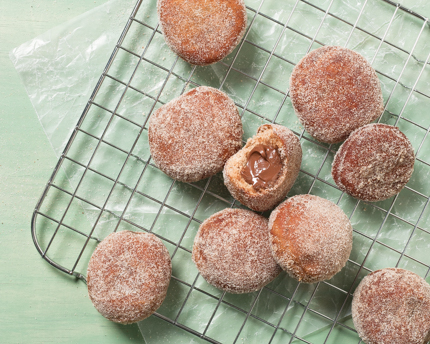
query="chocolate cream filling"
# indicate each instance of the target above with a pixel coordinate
(263, 167)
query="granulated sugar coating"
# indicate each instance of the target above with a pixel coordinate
(392, 306)
(288, 147)
(128, 276)
(192, 136)
(334, 91)
(202, 32)
(311, 238)
(374, 163)
(232, 251)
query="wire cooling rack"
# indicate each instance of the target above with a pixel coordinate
(105, 180)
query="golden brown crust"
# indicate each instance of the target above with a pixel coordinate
(392, 306)
(311, 238)
(290, 151)
(128, 276)
(232, 251)
(334, 91)
(202, 32)
(374, 163)
(191, 137)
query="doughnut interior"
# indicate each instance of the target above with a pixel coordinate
(288, 147)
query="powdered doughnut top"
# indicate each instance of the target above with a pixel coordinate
(334, 91)
(202, 32)
(128, 276)
(392, 306)
(192, 136)
(374, 163)
(311, 238)
(232, 251)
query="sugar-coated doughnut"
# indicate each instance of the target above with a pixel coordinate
(128, 276)
(374, 163)
(232, 251)
(191, 137)
(261, 194)
(202, 32)
(334, 91)
(311, 238)
(392, 306)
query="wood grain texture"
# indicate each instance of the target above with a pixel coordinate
(38, 303)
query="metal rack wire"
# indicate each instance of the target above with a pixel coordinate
(58, 219)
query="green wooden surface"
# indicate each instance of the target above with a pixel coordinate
(39, 304)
